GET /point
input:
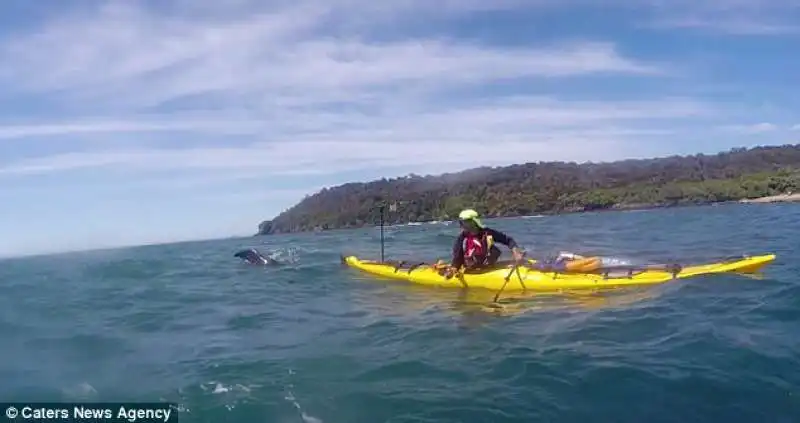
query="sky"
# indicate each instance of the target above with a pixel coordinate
(138, 122)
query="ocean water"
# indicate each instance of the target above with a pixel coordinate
(313, 342)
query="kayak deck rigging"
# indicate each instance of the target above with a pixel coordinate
(626, 270)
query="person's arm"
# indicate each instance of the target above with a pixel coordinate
(508, 241)
(503, 239)
(458, 252)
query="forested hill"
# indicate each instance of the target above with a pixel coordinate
(552, 187)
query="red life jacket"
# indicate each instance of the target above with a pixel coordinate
(476, 247)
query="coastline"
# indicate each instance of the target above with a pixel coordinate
(782, 198)
(737, 176)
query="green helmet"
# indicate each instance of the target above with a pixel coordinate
(470, 215)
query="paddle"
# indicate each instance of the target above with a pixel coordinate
(515, 268)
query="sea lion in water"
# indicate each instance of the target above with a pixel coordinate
(252, 256)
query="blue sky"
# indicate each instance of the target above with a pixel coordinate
(135, 122)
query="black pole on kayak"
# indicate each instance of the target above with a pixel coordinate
(382, 242)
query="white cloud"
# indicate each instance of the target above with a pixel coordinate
(311, 91)
(120, 126)
(756, 128)
(521, 115)
(312, 157)
(735, 17)
(125, 57)
(517, 128)
(731, 25)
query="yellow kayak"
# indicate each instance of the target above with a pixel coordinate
(525, 278)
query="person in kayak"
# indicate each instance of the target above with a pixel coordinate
(475, 248)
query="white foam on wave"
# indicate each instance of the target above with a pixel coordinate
(307, 418)
(81, 391)
(235, 391)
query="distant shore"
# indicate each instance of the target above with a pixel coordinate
(783, 198)
(762, 174)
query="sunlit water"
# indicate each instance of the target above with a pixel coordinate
(315, 342)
